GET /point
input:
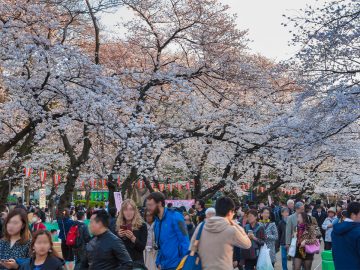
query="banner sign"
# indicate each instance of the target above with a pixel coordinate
(42, 198)
(179, 203)
(118, 200)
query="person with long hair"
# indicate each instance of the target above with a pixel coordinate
(43, 255)
(306, 234)
(271, 232)
(15, 245)
(132, 229)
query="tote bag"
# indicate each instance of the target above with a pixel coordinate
(192, 261)
(292, 248)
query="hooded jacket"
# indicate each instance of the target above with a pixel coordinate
(346, 245)
(171, 238)
(217, 243)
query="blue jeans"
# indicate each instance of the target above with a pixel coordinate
(283, 257)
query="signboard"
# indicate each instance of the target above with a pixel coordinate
(42, 198)
(179, 203)
(118, 200)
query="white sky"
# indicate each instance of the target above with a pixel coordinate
(262, 18)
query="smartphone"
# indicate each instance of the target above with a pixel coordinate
(250, 232)
(127, 227)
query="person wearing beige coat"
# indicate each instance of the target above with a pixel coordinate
(219, 236)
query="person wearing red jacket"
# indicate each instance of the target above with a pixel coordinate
(36, 223)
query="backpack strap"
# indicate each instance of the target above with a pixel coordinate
(200, 231)
(195, 246)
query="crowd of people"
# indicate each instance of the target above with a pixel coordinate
(160, 236)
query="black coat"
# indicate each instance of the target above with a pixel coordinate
(136, 250)
(282, 232)
(106, 252)
(320, 219)
(51, 263)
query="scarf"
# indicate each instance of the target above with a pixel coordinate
(264, 221)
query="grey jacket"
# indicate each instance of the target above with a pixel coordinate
(290, 228)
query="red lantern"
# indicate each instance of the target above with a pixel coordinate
(56, 180)
(104, 183)
(83, 184)
(95, 183)
(187, 186)
(27, 172)
(118, 181)
(42, 177)
(152, 185)
(140, 184)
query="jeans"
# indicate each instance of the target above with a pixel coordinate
(283, 257)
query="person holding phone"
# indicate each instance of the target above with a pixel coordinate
(15, 245)
(133, 231)
(256, 233)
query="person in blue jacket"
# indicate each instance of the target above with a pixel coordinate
(171, 235)
(346, 240)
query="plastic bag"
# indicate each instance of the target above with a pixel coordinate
(292, 248)
(264, 260)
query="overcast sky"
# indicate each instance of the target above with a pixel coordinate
(263, 18)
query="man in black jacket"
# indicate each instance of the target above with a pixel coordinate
(105, 251)
(320, 215)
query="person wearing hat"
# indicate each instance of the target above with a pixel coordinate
(328, 227)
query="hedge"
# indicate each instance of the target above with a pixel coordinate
(91, 203)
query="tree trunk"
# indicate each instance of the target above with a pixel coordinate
(24, 150)
(74, 169)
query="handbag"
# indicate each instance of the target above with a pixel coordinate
(192, 261)
(292, 248)
(313, 248)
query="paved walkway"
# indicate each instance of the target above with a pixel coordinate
(315, 266)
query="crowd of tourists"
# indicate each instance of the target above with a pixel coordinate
(161, 236)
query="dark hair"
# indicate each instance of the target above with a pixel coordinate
(169, 205)
(223, 206)
(307, 207)
(102, 216)
(112, 212)
(202, 203)
(253, 212)
(157, 197)
(306, 218)
(24, 232)
(52, 251)
(37, 214)
(53, 230)
(353, 208)
(80, 215)
(65, 213)
(265, 208)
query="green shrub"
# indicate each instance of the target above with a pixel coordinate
(91, 203)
